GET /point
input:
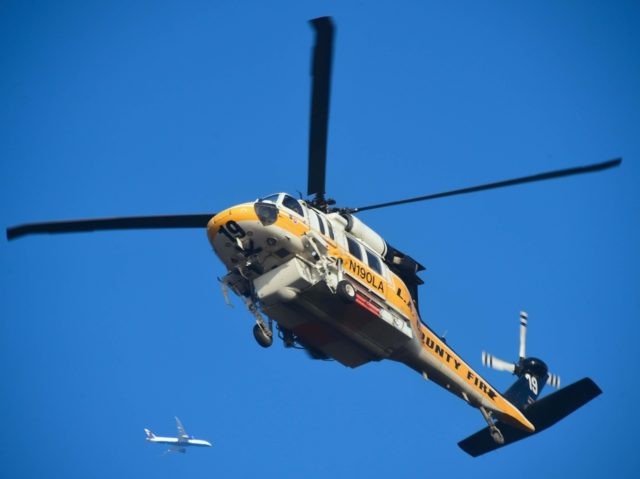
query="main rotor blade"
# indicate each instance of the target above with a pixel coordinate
(320, 93)
(578, 170)
(123, 223)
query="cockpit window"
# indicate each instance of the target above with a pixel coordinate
(292, 204)
(270, 198)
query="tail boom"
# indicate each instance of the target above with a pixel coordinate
(438, 362)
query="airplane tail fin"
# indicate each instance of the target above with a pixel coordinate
(150, 435)
(542, 413)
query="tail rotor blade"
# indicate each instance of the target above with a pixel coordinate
(553, 381)
(524, 318)
(492, 362)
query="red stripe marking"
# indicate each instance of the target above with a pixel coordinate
(366, 304)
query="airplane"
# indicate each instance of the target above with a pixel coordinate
(178, 444)
(335, 288)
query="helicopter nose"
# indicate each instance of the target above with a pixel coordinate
(228, 222)
(216, 224)
(211, 228)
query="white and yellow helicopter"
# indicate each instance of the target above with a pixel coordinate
(335, 287)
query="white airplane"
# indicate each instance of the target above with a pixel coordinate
(178, 444)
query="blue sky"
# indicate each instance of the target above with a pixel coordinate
(128, 108)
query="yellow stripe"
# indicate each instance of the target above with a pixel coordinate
(375, 282)
(245, 212)
(445, 355)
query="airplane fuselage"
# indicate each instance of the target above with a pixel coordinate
(179, 442)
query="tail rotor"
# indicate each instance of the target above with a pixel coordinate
(532, 375)
(524, 319)
(523, 365)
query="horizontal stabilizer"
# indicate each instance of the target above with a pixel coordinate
(543, 414)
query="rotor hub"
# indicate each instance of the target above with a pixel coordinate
(534, 366)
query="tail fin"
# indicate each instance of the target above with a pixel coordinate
(149, 434)
(543, 414)
(524, 391)
(532, 376)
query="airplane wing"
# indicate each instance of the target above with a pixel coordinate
(182, 434)
(173, 449)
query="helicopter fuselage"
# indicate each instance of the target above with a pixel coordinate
(292, 262)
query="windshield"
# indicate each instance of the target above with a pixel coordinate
(292, 204)
(270, 199)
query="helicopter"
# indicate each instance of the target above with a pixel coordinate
(317, 277)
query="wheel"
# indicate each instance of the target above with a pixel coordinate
(288, 338)
(346, 291)
(497, 436)
(263, 337)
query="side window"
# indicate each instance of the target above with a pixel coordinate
(330, 230)
(354, 248)
(374, 262)
(292, 204)
(320, 222)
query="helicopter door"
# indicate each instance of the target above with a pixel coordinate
(325, 225)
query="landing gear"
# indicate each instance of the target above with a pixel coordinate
(496, 435)
(346, 291)
(262, 331)
(288, 338)
(263, 334)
